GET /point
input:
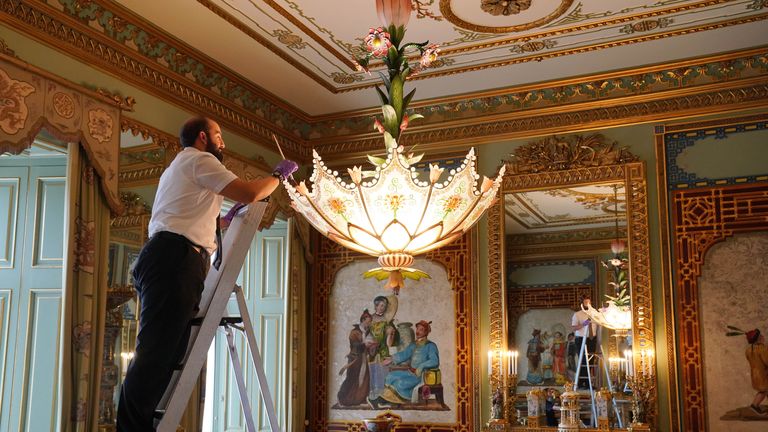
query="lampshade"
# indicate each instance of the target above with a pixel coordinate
(614, 317)
(394, 215)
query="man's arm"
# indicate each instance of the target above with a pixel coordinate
(250, 191)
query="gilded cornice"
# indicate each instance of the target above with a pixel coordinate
(587, 116)
(121, 43)
(688, 74)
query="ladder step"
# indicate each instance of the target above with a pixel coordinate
(198, 321)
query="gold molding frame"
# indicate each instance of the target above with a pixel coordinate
(633, 176)
(453, 135)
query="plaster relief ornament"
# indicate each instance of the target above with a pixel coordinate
(388, 211)
(100, 125)
(13, 108)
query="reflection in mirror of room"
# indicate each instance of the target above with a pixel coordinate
(564, 239)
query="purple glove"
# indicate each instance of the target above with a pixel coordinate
(284, 169)
(232, 212)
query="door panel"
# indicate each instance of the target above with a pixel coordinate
(30, 292)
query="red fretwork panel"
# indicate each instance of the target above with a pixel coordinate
(700, 219)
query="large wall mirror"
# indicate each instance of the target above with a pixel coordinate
(566, 208)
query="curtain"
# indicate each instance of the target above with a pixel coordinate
(299, 341)
(85, 294)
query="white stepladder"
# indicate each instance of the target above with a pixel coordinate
(219, 287)
(584, 355)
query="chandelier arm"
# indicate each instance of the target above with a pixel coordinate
(424, 212)
(466, 214)
(365, 209)
(347, 237)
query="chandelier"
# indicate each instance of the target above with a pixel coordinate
(391, 212)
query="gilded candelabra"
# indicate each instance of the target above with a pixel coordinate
(643, 390)
(503, 411)
(510, 397)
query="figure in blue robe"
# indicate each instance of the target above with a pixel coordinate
(408, 366)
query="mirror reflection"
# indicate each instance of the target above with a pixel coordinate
(566, 269)
(139, 159)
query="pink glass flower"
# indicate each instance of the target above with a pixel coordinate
(430, 54)
(377, 42)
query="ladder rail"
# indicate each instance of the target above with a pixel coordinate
(585, 355)
(257, 360)
(219, 286)
(238, 369)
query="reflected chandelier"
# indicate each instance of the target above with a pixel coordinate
(389, 212)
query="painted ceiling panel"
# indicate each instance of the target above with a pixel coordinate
(303, 51)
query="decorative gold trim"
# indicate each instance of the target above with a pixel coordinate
(125, 103)
(524, 92)
(565, 30)
(5, 49)
(591, 116)
(633, 174)
(569, 152)
(445, 9)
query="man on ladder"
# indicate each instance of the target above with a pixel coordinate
(172, 266)
(590, 354)
(583, 328)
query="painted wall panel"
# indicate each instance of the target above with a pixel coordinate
(41, 361)
(9, 208)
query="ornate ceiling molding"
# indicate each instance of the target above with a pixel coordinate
(587, 116)
(161, 65)
(143, 55)
(615, 85)
(498, 7)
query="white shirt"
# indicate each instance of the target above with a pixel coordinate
(578, 319)
(187, 200)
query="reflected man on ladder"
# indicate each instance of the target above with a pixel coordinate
(583, 327)
(170, 272)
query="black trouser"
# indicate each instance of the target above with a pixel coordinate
(169, 276)
(590, 348)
